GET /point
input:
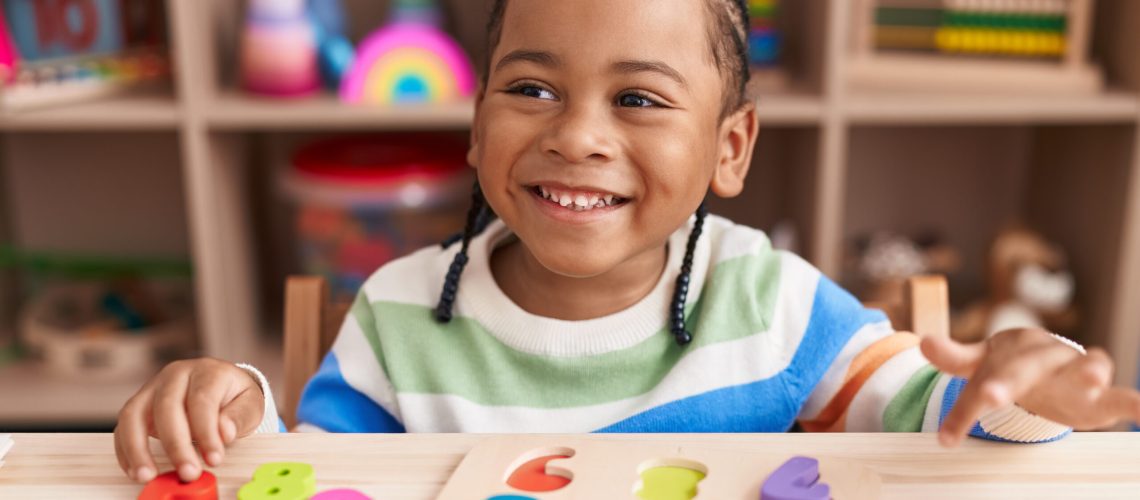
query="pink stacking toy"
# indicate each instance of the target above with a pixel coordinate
(409, 61)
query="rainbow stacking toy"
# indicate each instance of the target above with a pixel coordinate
(409, 61)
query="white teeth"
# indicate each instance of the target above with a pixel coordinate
(578, 202)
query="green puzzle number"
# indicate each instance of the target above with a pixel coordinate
(669, 483)
(280, 481)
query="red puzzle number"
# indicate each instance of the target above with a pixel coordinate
(168, 487)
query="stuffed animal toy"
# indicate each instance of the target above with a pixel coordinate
(1030, 286)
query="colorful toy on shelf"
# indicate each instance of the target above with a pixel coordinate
(974, 45)
(764, 36)
(279, 49)
(334, 51)
(409, 61)
(1030, 286)
(7, 52)
(55, 51)
(362, 201)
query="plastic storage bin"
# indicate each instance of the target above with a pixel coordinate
(365, 200)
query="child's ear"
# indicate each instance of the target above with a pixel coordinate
(734, 156)
(473, 151)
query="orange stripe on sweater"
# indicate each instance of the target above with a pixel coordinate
(833, 416)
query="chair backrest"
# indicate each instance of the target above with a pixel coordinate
(311, 326)
(312, 323)
(922, 308)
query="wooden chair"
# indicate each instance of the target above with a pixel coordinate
(312, 323)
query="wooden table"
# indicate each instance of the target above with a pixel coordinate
(415, 467)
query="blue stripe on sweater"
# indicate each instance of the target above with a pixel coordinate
(953, 390)
(768, 405)
(330, 403)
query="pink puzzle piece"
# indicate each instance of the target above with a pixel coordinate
(340, 494)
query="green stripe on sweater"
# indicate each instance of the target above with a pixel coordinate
(738, 301)
(907, 409)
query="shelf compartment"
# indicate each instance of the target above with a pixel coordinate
(867, 108)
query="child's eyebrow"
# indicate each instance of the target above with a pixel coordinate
(535, 56)
(650, 67)
(547, 59)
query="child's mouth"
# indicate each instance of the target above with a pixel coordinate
(578, 201)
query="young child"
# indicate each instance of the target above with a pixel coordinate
(586, 296)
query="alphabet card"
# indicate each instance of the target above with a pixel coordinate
(540, 467)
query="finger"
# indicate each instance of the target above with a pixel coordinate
(173, 428)
(131, 434)
(203, 403)
(1004, 385)
(1095, 367)
(974, 400)
(1119, 403)
(242, 415)
(960, 360)
(122, 458)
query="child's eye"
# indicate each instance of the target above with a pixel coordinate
(532, 91)
(633, 100)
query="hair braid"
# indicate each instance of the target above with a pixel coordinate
(479, 216)
(681, 291)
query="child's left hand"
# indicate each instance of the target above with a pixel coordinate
(1038, 372)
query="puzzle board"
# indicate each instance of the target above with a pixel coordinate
(613, 469)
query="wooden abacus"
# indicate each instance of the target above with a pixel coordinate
(1061, 67)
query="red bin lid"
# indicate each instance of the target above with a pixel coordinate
(382, 159)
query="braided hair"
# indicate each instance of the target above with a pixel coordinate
(729, 39)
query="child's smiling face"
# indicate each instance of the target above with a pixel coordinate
(599, 130)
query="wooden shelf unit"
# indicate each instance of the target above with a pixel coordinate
(1071, 165)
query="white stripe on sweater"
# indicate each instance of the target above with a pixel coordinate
(360, 368)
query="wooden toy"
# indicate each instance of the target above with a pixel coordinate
(280, 481)
(168, 487)
(988, 46)
(409, 61)
(597, 468)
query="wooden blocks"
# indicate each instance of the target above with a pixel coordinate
(590, 467)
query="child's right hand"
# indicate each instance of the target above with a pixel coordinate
(207, 402)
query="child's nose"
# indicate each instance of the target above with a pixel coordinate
(581, 134)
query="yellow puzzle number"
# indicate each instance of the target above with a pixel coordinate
(669, 483)
(280, 481)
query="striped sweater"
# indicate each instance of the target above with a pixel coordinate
(774, 343)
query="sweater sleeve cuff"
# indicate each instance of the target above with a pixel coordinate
(270, 422)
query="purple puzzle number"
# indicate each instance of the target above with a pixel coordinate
(797, 479)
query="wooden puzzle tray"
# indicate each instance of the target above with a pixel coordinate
(612, 469)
